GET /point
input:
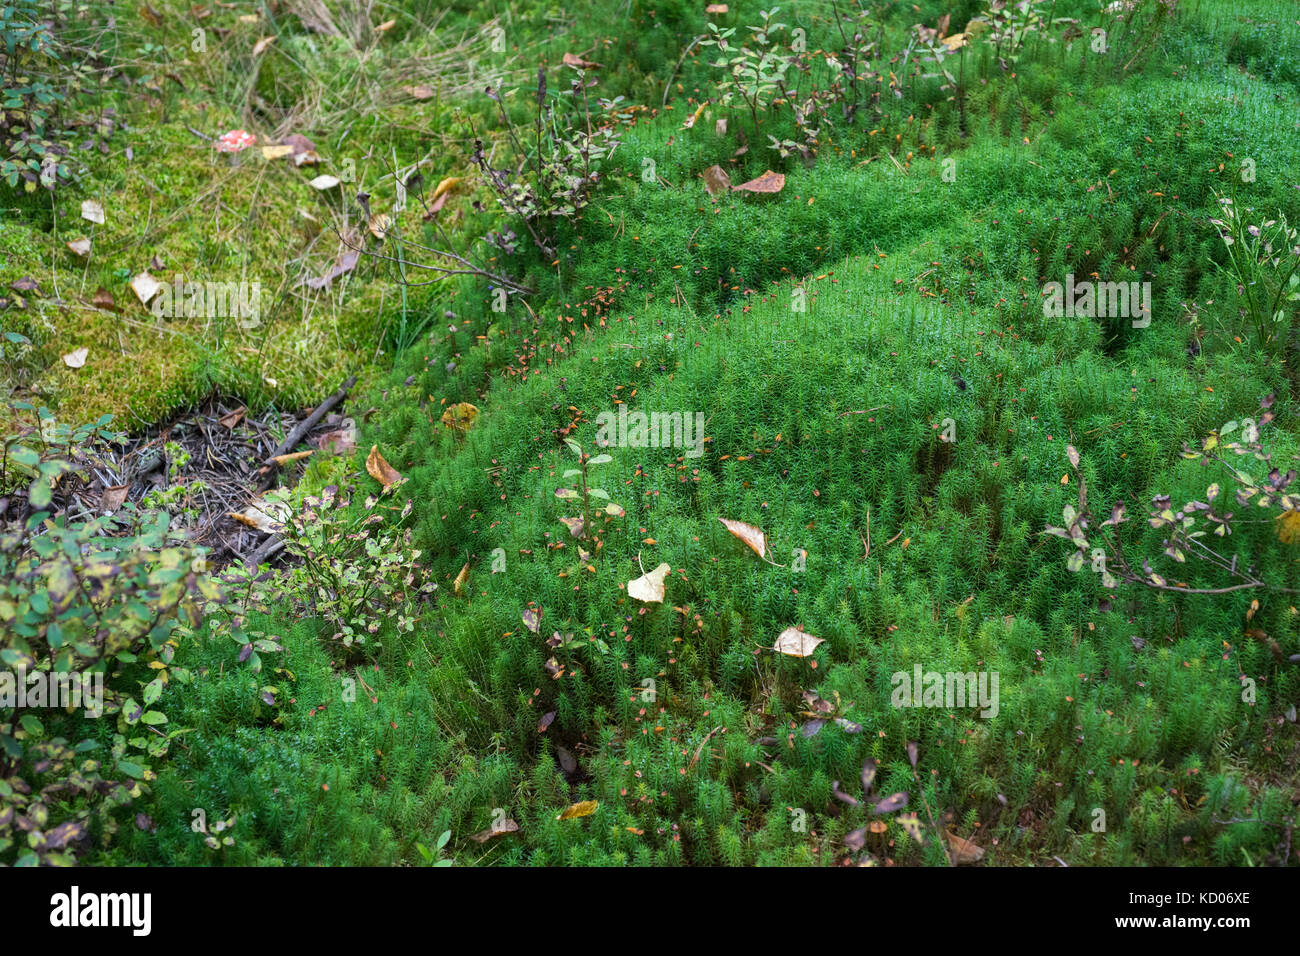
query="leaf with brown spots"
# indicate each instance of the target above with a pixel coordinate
(584, 809)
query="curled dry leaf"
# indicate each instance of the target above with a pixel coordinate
(446, 186)
(794, 642)
(341, 440)
(578, 63)
(93, 211)
(260, 46)
(145, 287)
(380, 470)
(584, 809)
(754, 537)
(961, 851)
(505, 826)
(113, 498)
(769, 182)
(574, 525)
(322, 182)
(80, 247)
(233, 418)
(379, 225)
(282, 460)
(650, 586)
(716, 179)
(458, 586)
(76, 359)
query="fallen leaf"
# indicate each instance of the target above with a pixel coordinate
(578, 63)
(574, 525)
(76, 359)
(794, 642)
(716, 180)
(260, 46)
(80, 246)
(956, 41)
(145, 287)
(304, 150)
(93, 211)
(962, 851)
(276, 152)
(282, 460)
(103, 299)
(584, 809)
(26, 284)
(113, 498)
(650, 586)
(420, 91)
(460, 416)
(545, 722)
(446, 185)
(532, 618)
(754, 537)
(233, 418)
(458, 586)
(265, 516)
(150, 14)
(716, 8)
(323, 181)
(380, 470)
(1288, 529)
(769, 182)
(720, 127)
(385, 26)
(505, 826)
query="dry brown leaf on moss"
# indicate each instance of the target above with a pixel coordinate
(458, 586)
(754, 537)
(578, 63)
(291, 457)
(103, 299)
(76, 359)
(260, 46)
(961, 851)
(80, 247)
(505, 826)
(716, 180)
(574, 525)
(145, 287)
(93, 211)
(113, 498)
(420, 91)
(446, 186)
(380, 470)
(769, 182)
(650, 586)
(794, 642)
(583, 809)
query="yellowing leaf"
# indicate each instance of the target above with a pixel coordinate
(447, 185)
(1288, 529)
(650, 586)
(794, 642)
(459, 585)
(380, 470)
(460, 416)
(584, 809)
(379, 224)
(276, 152)
(956, 41)
(754, 537)
(260, 46)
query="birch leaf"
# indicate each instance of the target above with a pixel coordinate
(650, 586)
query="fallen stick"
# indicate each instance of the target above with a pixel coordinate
(268, 548)
(310, 422)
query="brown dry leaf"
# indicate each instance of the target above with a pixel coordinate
(276, 152)
(716, 8)
(458, 586)
(113, 498)
(80, 246)
(460, 416)
(103, 299)
(153, 16)
(754, 537)
(794, 642)
(145, 287)
(92, 210)
(76, 359)
(650, 586)
(379, 225)
(385, 26)
(962, 851)
(545, 722)
(944, 21)
(574, 525)
(419, 91)
(769, 182)
(720, 127)
(283, 460)
(506, 826)
(380, 470)
(341, 440)
(578, 63)
(695, 117)
(716, 180)
(231, 419)
(956, 41)
(260, 46)
(584, 809)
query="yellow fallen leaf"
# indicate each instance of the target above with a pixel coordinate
(260, 46)
(459, 585)
(379, 224)
(1288, 529)
(276, 152)
(460, 416)
(380, 470)
(291, 457)
(650, 586)
(584, 809)
(962, 851)
(447, 185)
